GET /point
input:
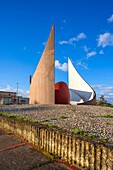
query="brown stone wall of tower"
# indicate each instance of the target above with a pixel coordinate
(42, 82)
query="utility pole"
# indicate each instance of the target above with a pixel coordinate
(17, 93)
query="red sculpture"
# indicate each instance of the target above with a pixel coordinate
(62, 95)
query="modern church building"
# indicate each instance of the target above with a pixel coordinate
(43, 90)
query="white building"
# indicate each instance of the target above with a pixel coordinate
(11, 98)
(7, 97)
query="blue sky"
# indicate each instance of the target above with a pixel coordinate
(83, 32)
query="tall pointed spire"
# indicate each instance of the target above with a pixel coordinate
(80, 90)
(42, 82)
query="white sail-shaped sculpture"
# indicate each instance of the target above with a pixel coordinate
(80, 91)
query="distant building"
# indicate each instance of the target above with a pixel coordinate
(7, 97)
(23, 100)
(11, 98)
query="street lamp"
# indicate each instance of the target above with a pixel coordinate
(17, 93)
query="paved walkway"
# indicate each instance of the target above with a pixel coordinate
(15, 155)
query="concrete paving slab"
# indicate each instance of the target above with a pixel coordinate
(1, 133)
(7, 140)
(51, 166)
(24, 157)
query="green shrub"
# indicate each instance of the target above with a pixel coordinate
(78, 131)
(45, 120)
(108, 116)
(51, 155)
(103, 102)
(63, 117)
(102, 139)
(18, 117)
(74, 110)
(53, 118)
(107, 123)
(91, 135)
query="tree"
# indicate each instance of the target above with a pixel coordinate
(102, 101)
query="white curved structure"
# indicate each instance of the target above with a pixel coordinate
(80, 91)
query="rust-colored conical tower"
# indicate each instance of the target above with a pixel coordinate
(42, 82)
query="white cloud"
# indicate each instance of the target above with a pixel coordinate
(103, 88)
(7, 88)
(65, 57)
(107, 91)
(101, 52)
(24, 48)
(74, 39)
(44, 43)
(110, 19)
(105, 39)
(80, 36)
(93, 53)
(86, 49)
(64, 42)
(71, 40)
(21, 92)
(97, 86)
(64, 21)
(60, 66)
(82, 64)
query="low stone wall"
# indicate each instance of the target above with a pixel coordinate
(77, 150)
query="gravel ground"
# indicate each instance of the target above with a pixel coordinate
(87, 118)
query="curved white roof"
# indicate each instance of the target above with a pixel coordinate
(78, 85)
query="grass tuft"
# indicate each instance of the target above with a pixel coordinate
(18, 117)
(81, 132)
(45, 120)
(91, 135)
(78, 131)
(108, 116)
(53, 118)
(102, 139)
(63, 117)
(35, 121)
(51, 155)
